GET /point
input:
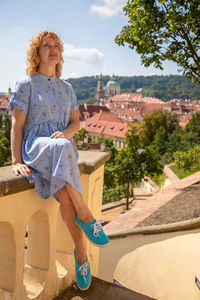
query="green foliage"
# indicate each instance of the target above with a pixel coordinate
(81, 139)
(192, 130)
(7, 125)
(176, 141)
(1, 120)
(160, 140)
(110, 178)
(128, 166)
(113, 194)
(164, 30)
(162, 87)
(152, 122)
(134, 162)
(182, 174)
(4, 148)
(188, 159)
(160, 179)
(109, 147)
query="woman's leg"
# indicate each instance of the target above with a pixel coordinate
(81, 208)
(68, 214)
(85, 219)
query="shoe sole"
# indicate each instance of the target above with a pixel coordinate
(97, 245)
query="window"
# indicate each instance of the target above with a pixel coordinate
(94, 138)
(124, 144)
(115, 143)
(120, 143)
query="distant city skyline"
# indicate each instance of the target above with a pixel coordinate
(86, 27)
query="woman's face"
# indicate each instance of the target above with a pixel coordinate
(49, 51)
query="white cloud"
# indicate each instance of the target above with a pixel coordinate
(109, 8)
(73, 75)
(150, 74)
(88, 56)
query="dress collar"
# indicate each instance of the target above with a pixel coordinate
(46, 78)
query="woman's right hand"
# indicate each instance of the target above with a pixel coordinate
(22, 169)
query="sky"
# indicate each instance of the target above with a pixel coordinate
(86, 27)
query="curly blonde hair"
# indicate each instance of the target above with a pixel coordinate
(32, 60)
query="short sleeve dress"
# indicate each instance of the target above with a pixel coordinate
(48, 102)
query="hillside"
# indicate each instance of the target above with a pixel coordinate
(162, 87)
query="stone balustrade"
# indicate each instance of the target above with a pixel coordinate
(36, 249)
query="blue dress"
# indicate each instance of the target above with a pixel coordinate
(48, 102)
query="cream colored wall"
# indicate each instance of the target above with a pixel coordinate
(108, 136)
(162, 266)
(46, 267)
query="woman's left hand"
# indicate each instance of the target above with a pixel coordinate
(57, 134)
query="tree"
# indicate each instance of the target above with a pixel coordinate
(4, 149)
(192, 130)
(162, 30)
(1, 120)
(187, 159)
(109, 147)
(81, 139)
(175, 140)
(110, 178)
(134, 162)
(7, 125)
(152, 122)
(160, 140)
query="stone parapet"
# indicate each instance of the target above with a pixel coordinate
(36, 248)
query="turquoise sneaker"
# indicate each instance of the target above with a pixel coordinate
(83, 274)
(94, 232)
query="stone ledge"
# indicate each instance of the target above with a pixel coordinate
(156, 229)
(10, 183)
(89, 161)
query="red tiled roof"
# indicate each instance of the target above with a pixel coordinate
(4, 102)
(116, 129)
(133, 97)
(106, 124)
(88, 110)
(129, 114)
(106, 116)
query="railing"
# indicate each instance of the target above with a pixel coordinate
(36, 249)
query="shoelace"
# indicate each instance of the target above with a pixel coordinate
(83, 270)
(97, 227)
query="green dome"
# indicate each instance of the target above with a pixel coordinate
(112, 83)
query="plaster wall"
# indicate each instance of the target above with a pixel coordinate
(162, 266)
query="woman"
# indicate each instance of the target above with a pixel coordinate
(44, 119)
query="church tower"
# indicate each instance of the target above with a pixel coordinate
(112, 88)
(100, 91)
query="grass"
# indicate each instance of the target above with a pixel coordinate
(181, 173)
